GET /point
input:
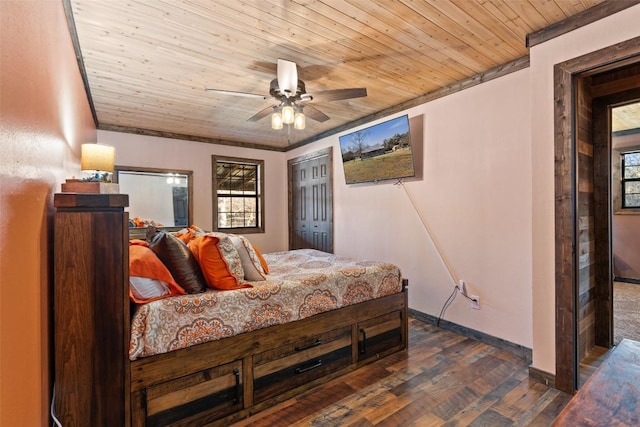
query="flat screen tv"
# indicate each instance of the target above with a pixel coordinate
(378, 152)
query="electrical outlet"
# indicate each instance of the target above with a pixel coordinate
(475, 302)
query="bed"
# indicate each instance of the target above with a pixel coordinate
(301, 283)
(225, 354)
(316, 316)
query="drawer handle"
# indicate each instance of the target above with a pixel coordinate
(363, 347)
(313, 344)
(308, 368)
(236, 399)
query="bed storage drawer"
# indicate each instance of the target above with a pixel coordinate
(290, 366)
(380, 335)
(209, 394)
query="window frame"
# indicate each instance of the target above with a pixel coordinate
(624, 180)
(260, 228)
(618, 181)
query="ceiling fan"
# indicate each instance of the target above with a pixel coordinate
(292, 98)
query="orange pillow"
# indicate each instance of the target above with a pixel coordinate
(196, 230)
(184, 235)
(187, 234)
(263, 261)
(219, 261)
(143, 262)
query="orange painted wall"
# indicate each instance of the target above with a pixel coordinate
(44, 117)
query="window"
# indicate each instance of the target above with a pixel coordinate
(630, 179)
(238, 195)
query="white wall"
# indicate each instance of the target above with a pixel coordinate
(475, 196)
(155, 152)
(606, 32)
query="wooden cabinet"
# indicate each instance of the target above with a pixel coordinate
(91, 329)
(380, 335)
(292, 365)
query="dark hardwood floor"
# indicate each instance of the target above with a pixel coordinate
(444, 379)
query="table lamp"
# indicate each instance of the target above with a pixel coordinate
(98, 160)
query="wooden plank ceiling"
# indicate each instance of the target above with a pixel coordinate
(626, 117)
(147, 62)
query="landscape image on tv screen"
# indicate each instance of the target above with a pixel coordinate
(377, 153)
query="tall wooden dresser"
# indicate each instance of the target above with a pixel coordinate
(91, 310)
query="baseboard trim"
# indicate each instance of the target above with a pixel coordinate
(627, 280)
(516, 349)
(542, 377)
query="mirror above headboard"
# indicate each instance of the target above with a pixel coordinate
(160, 197)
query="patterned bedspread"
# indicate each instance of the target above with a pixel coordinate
(301, 283)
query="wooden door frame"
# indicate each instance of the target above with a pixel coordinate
(290, 163)
(566, 263)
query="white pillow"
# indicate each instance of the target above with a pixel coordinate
(253, 270)
(144, 288)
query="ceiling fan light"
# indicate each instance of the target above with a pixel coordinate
(287, 114)
(276, 120)
(299, 121)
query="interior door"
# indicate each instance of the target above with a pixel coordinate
(311, 201)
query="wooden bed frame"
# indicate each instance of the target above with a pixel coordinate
(214, 383)
(232, 378)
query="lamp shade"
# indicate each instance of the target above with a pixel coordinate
(287, 114)
(97, 157)
(299, 121)
(276, 120)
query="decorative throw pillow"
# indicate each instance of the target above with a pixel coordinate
(184, 235)
(187, 234)
(180, 262)
(149, 278)
(196, 230)
(263, 262)
(251, 265)
(219, 261)
(143, 289)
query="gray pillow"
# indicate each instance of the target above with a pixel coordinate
(178, 258)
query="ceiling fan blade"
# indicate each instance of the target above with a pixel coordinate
(315, 114)
(234, 93)
(287, 77)
(338, 94)
(260, 114)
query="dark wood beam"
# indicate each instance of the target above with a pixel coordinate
(581, 19)
(76, 47)
(171, 135)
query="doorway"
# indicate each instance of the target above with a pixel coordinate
(584, 310)
(625, 167)
(601, 316)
